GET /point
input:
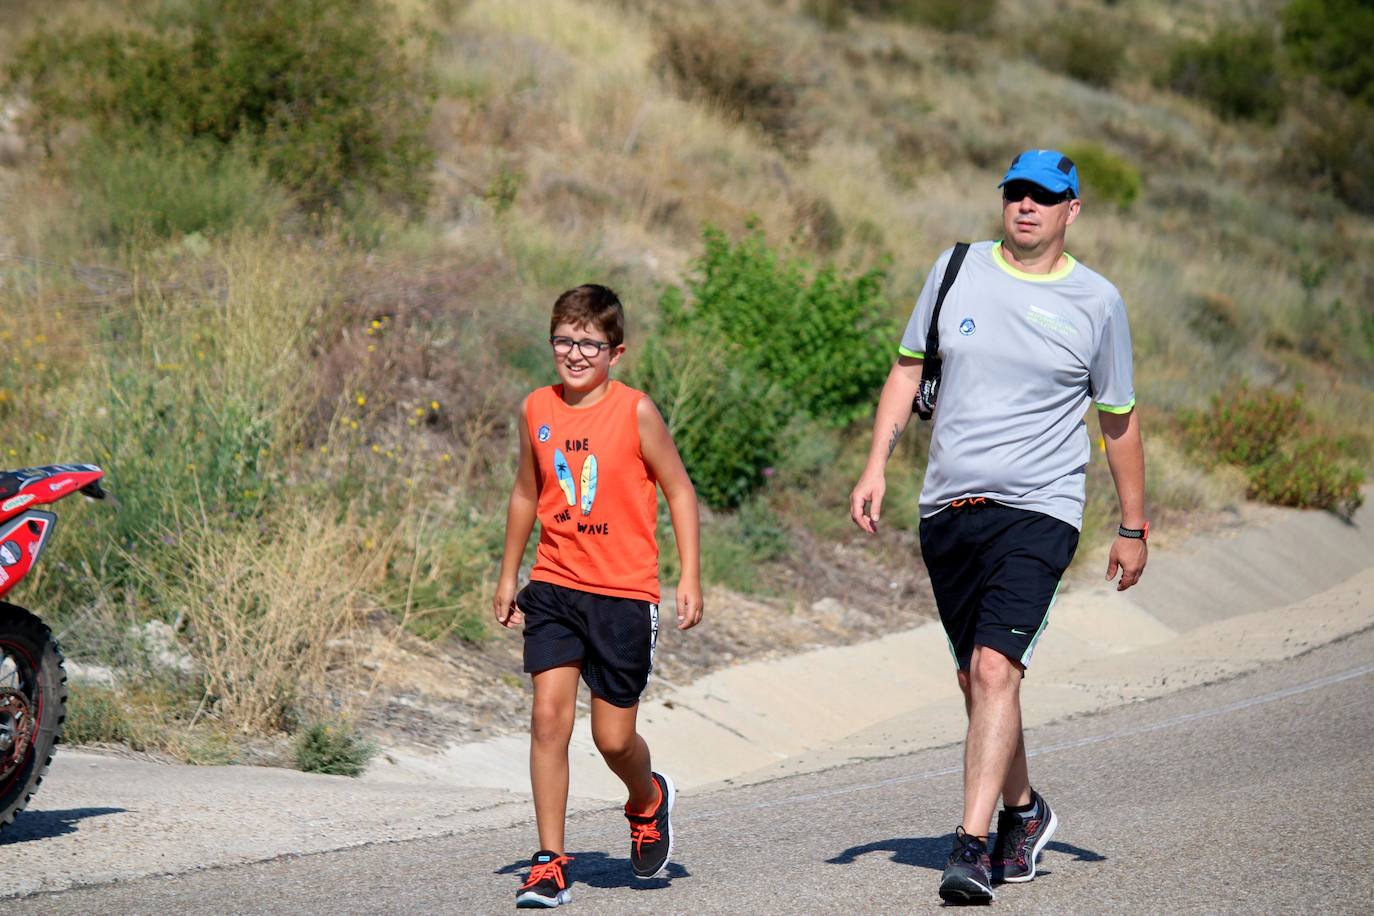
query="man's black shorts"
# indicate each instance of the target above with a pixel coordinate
(995, 571)
(613, 638)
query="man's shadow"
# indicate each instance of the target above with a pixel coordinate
(932, 852)
(40, 825)
(597, 869)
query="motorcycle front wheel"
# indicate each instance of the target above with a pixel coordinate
(33, 705)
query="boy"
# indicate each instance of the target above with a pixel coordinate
(591, 451)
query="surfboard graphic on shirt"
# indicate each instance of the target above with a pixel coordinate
(588, 484)
(564, 475)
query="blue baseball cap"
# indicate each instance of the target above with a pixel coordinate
(1048, 168)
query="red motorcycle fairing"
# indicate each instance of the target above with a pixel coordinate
(21, 541)
(31, 487)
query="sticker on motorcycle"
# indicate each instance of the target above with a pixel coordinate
(14, 502)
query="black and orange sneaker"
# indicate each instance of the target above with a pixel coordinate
(1020, 840)
(968, 876)
(651, 835)
(547, 884)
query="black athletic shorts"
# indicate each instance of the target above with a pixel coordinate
(995, 571)
(612, 637)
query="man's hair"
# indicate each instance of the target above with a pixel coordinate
(591, 305)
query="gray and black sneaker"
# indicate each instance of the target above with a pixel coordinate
(651, 835)
(968, 876)
(1020, 840)
(547, 885)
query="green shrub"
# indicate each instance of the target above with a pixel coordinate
(1243, 427)
(1330, 144)
(824, 339)
(1215, 318)
(317, 90)
(1235, 72)
(1105, 176)
(948, 15)
(1270, 436)
(1333, 40)
(726, 418)
(134, 186)
(732, 551)
(761, 339)
(1082, 48)
(1310, 473)
(833, 14)
(94, 716)
(334, 748)
(730, 65)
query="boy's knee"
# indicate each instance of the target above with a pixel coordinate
(614, 746)
(550, 725)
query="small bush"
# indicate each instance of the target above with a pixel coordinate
(825, 339)
(1333, 40)
(1215, 318)
(947, 15)
(1330, 144)
(1235, 72)
(1082, 48)
(320, 91)
(1105, 176)
(761, 339)
(135, 186)
(833, 14)
(726, 418)
(333, 748)
(1270, 436)
(732, 552)
(1310, 473)
(1243, 427)
(94, 716)
(731, 66)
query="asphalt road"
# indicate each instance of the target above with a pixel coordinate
(1254, 795)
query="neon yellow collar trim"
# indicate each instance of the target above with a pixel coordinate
(1061, 273)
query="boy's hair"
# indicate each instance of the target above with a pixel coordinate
(591, 305)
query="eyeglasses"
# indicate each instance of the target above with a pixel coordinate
(590, 349)
(1016, 191)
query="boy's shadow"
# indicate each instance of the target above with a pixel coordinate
(597, 869)
(932, 852)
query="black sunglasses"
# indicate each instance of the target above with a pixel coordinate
(1014, 191)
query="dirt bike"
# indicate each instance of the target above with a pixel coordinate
(33, 681)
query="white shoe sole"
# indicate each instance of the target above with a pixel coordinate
(1035, 850)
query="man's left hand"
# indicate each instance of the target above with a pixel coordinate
(1128, 555)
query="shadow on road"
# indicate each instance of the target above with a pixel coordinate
(597, 869)
(40, 825)
(933, 851)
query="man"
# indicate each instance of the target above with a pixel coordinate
(1028, 337)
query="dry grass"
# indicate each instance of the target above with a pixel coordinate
(261, 607)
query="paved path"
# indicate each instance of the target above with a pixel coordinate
(1251, 795)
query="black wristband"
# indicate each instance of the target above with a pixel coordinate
(1138, 534)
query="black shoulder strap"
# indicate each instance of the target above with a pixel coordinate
(956, 258)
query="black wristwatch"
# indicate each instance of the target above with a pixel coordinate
(1137, 534)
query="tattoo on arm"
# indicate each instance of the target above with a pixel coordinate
(892, 442)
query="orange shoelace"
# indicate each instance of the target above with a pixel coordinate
(551, 869)
(642, 832)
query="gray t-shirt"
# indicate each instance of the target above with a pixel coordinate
(1024, 354)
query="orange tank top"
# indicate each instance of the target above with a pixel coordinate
(598, 505)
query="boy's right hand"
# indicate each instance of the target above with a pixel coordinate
(504, 607)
